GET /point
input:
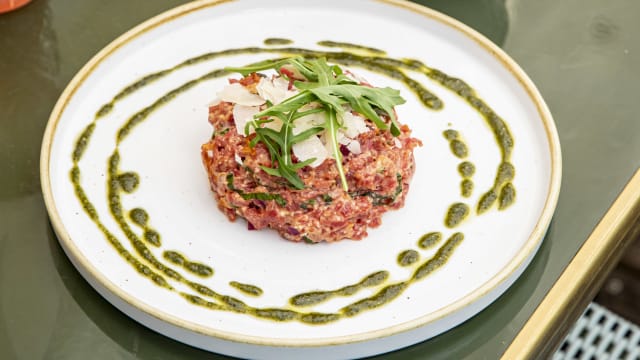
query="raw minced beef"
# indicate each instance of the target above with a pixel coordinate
(378, 178)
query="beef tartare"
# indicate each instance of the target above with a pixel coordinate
(310, 150)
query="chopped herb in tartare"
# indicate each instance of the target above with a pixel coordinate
(308, 149)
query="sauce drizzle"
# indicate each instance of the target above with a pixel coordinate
(148, 265)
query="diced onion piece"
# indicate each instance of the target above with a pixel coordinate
(275, 90)
(351, 144)
(237, 158)
(238, 94)
(242, 115)
(354, 147)
(353, 125)
(397, 142)
(309, 148)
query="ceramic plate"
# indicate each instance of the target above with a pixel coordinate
(116, 146)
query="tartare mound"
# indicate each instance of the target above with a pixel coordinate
(377, 165)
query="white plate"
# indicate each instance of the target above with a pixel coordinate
(164, 151)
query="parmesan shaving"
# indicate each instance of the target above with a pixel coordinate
(238, 94)
(242, 115)
(310, 148)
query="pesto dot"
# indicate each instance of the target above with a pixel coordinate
(456, 213)
(152, 237)
(429, 240)
(139, 216)
(408, 257)
(466, 169)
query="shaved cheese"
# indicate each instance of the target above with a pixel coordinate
(275, 124)
(275, 90)
(214, 102)
(342, 139)
(310, 148)
(307, 122)
(238, 94)
(242, 115)
(353, 125)
(328, 145)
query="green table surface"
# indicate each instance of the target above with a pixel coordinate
(583, 55)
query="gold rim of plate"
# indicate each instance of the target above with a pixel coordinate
(531, 245)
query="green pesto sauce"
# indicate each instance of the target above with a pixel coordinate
(459, 148)
(344, 45)
(498, 126)
(139, 216)
(500, 130)
(429, 240)
(316, 297)
(191, 266)
(390, 292)
(90, 210)
(466, 169)
(486, 201)
(456, 213)
(152, 237)
(380, 298)
(450, 134)
(503, 189)
(105, 109)
(506, 173)
(246, 288)
(81, 142)
(507, 196)
(128, 181)
(408, 257)
(277, 41)
(143, 260)
(466, 187)
(440, 258)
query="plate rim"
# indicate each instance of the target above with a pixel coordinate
(523, 255)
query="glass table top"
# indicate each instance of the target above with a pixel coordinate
(582, 55)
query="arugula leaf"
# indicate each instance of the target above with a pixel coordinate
(363, 100)
(328, 87)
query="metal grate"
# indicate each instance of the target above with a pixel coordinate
(601, 334)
